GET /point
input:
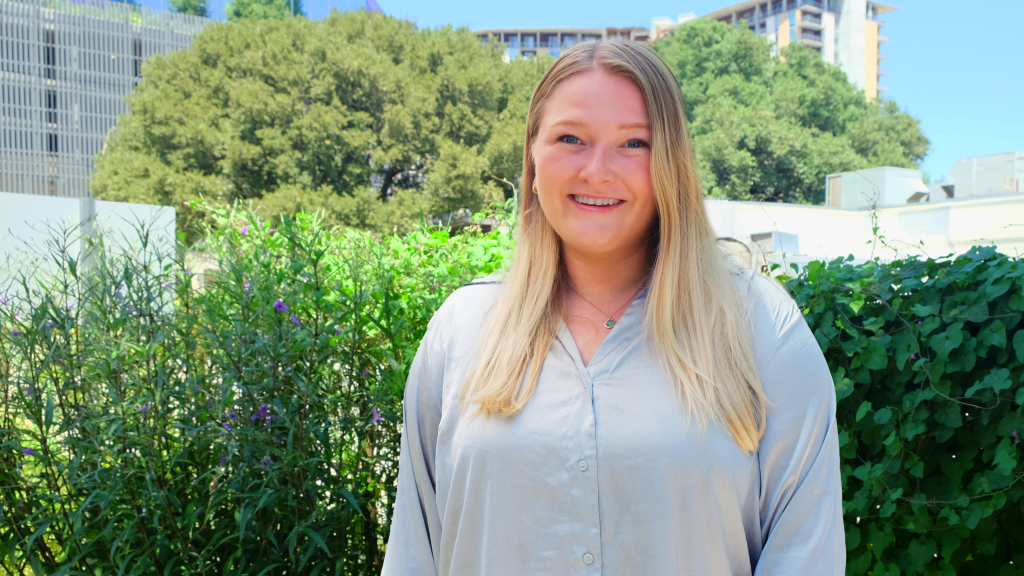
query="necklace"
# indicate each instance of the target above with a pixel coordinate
(609, 324)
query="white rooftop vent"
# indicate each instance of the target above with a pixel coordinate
(776, 242)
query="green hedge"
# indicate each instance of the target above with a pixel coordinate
(152, 427)
(927, 360)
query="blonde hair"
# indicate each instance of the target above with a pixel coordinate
(695, 316)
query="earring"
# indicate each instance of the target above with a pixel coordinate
(534, 187)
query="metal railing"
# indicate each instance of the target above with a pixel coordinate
(810, 36)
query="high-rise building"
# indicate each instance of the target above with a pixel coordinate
(525, 42)
(844, 32)
(66, 68)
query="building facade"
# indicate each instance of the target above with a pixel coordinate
(526, 42)
(982, 176)
(845, 32)
(66, 67)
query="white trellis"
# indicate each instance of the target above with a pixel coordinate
(66, 67)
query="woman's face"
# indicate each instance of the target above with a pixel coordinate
(593, 164)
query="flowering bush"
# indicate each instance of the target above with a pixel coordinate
(250, 427)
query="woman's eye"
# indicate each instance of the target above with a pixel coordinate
(570, 139)
(636, 143)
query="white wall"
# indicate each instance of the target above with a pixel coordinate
(851, 39)
(30, 224)
(924, 229)
(881, 186)
(984, 175)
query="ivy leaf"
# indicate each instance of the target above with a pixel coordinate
(998, 380)
(882, 416)
(1018, 345)
(922, 311)
(1005, 460)
(945, 342)
(921, 552)
(864, 407)
(887, 509)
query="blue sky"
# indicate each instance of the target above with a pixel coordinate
(956, 67)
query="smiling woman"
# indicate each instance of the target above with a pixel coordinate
(622, 402)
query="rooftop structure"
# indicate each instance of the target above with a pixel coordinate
(981, 176)
(844, 32)
(527, 42)
(66, 68)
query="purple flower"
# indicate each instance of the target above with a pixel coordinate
(28, 390)
(186, 202)
(246, 287)
(295, 320)
(16, 332)
(1016, 440)
(209, 405)
(163, 439)
(366, 373)
(69, 304)
(244, 230)
(131, 309)
(266, 463)
(166, 284)
(51, 323)
(188, 272)
(338, 332)
(272, 231)
(261, 413)
(223, 459)
(118, 295)
(144, 409)
(4, 300)
(30, 452)
(280, 306)
(233, 417)
(376, 416)
(920, 321)
(197, 389)
(913, 356)
(228, 427)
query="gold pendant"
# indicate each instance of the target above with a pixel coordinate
(609, 324)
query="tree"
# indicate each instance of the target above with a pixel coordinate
(193, 7)
(772, 129)
(361, 115)
(263, 9)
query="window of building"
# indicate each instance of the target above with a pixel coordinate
(529, 41)
(555, 52)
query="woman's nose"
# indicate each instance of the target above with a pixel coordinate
(597, 168)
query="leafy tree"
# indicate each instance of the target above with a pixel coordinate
(263, 9)
(193, 7)
(361, 115)
(771, 129)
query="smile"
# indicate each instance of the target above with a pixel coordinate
(595, 201)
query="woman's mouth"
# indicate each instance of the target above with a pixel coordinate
(595, 201)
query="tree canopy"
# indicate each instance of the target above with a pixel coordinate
(772, 129)
(193, 7)
(262, 9)
(361, 115)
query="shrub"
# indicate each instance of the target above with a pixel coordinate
(248, 428)
(927, 360)
(252, 427)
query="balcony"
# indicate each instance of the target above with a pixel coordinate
(811, 39)
(882, 39)
(811, 19)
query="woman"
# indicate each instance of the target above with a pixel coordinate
(623, 402)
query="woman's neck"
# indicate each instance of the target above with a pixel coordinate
(605, 278)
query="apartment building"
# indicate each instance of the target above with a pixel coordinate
(525, 42)
(844, 32)
(66, 68)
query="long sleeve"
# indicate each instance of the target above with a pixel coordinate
(413, 545)
(801, 492)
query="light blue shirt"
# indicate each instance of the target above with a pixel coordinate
(600, 474)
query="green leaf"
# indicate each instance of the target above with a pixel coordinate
(865, 406)
(945, 342)
(319, 541)
(922, 311)
(921, 552)
(882, 415)
(1018, 345)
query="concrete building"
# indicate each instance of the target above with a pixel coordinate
(981, 176)
(661, 26)
(525, 42)
(844, 32)
(875, 187)
(65, 70)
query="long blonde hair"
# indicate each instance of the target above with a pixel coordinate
(695, 316)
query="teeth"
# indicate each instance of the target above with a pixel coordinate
(596, 201)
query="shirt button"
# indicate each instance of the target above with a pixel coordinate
(582, 465)
(588, 558)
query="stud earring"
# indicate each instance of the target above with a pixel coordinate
(534, 187)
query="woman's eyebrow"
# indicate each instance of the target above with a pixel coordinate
(578, 124)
